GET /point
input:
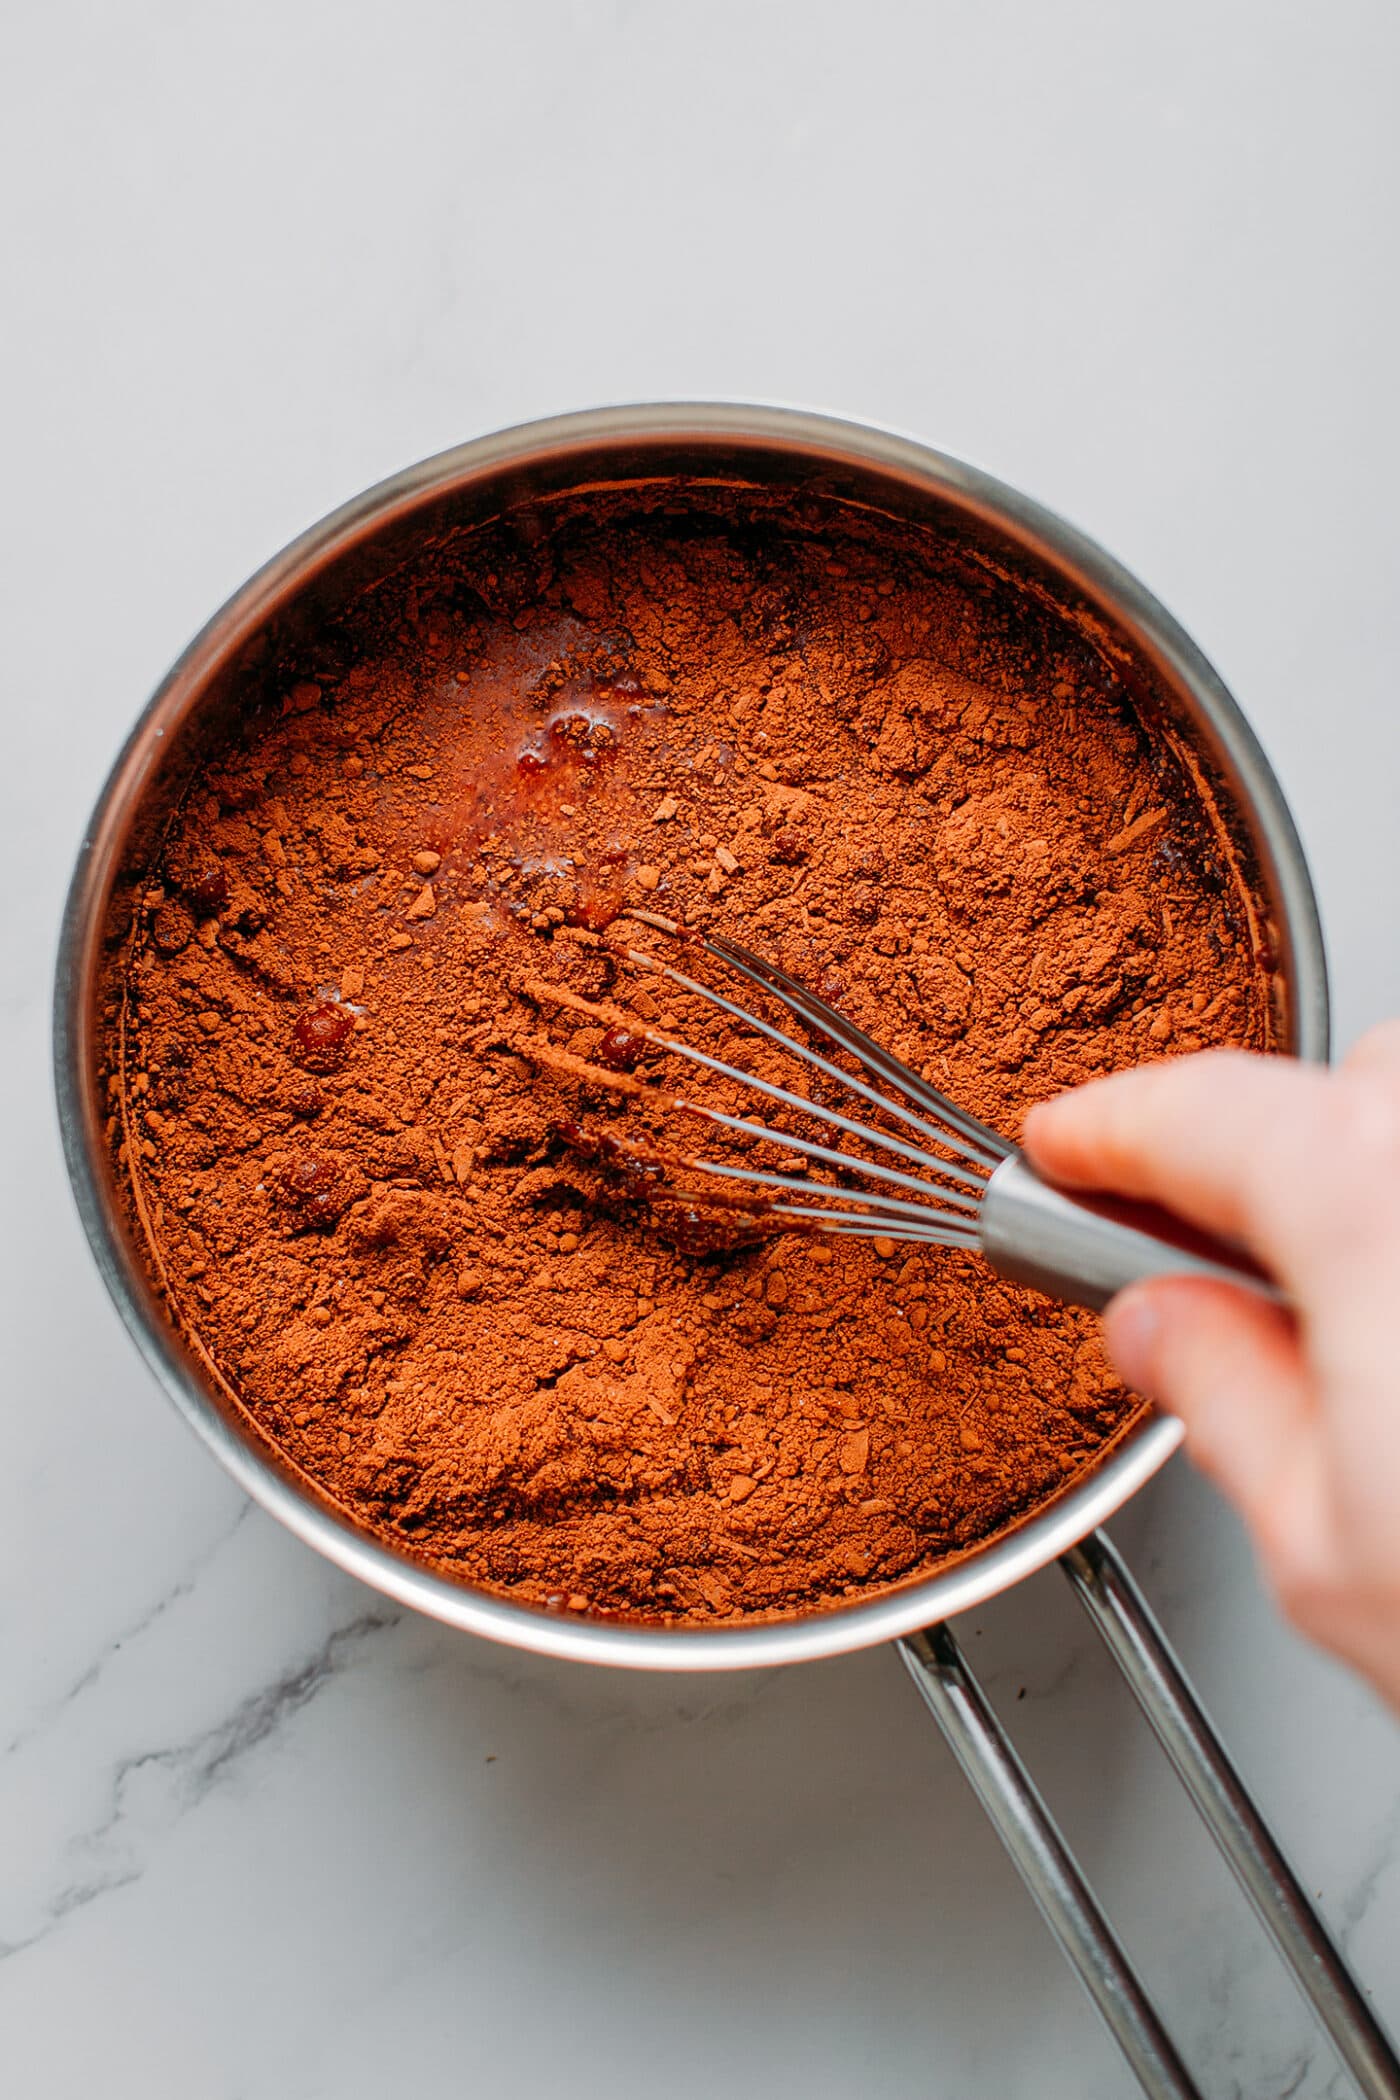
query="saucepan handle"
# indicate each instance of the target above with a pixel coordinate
(1048, 1867)
(1138, 1645)
(1022, 1821)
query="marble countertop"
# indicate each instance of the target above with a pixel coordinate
(265, 1837)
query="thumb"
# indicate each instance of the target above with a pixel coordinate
(1229, 1364)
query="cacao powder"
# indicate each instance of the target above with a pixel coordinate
(343, 1105)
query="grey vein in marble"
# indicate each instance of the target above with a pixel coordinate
(194, 1767)
(45, 1716)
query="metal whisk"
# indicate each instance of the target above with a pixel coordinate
(937, 1175)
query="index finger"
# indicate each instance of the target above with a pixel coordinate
(1236, 1144)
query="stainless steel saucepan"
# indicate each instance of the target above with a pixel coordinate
(898, 477)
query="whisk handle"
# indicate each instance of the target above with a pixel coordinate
(1084, 1251)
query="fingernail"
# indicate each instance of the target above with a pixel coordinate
(1132, 1324)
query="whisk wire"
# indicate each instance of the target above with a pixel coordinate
(990, 1199)
(984, 1155)
(852, 1227)
(830, 1116)
(950, 1191)
(813, 1009)
(876, 1202)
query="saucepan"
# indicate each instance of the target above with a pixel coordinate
(902, 478)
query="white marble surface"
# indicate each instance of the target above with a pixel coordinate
(262, 1838)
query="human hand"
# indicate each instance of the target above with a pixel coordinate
(1297, 1417)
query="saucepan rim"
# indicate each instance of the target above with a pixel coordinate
(823, 442)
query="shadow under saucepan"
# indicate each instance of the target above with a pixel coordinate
(782, 1878)
(778, 1881)
(781, 1881)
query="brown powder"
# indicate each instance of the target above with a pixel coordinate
(345, 1088)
